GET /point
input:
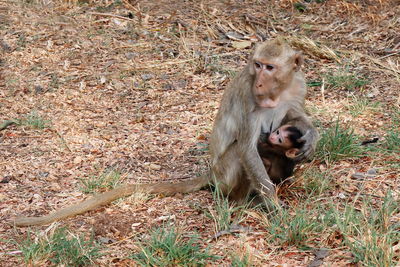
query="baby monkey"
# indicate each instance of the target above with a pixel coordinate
(277, 150)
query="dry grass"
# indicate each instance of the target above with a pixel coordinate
(134, 86)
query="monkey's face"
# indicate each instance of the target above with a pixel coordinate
(265, 87)
(273, 64)
(281, 138)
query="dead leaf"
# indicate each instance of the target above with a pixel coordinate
(154, 167)
(201, 137)
(241, 44)
(77, 160)
(2, 197)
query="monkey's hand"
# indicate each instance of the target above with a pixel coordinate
(263, 137)
(256, 170)
(310, 139)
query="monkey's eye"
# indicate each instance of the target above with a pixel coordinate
(269, 67)
(258, 65)
(277, 132)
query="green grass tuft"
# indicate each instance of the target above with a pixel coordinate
(294, 227)
(345, 80)
(392, 140)
(240, 261)
(338, 143)
(107, 180)
(300, 7)
(224, 213)
(316, 182)
(370, 233)
(35, 121)
(60, 248)
(359, 105)
(169, 248)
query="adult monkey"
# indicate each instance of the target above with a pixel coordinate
(267, 93)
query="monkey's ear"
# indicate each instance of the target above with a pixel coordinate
(291, 153)
(298, 61)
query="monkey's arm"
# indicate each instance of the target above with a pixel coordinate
(299, 119)
(253, 163)
(267, 164)
(225, 130)
(107, 197)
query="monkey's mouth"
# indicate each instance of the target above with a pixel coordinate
(268, 102)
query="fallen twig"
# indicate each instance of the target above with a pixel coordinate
(110, 15)
(233, 229)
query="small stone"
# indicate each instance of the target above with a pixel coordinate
(164, 77)
(147, 76)
(181, 84)
(130, 55)
(6, 179)
(105, 240)
(358, 175)
(321, 253)
(38, 89)
(372, 172)
(43, 174)
(5, 46)
(341, 196)
(168, 86)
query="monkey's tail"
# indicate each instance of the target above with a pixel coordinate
(107, 197)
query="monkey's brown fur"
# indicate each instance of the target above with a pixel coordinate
(278, 157)
(268, 92)
(256, 98)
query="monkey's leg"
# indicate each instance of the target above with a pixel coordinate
(229, 176)
(240, 192)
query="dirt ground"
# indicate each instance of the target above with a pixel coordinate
(134, 86)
